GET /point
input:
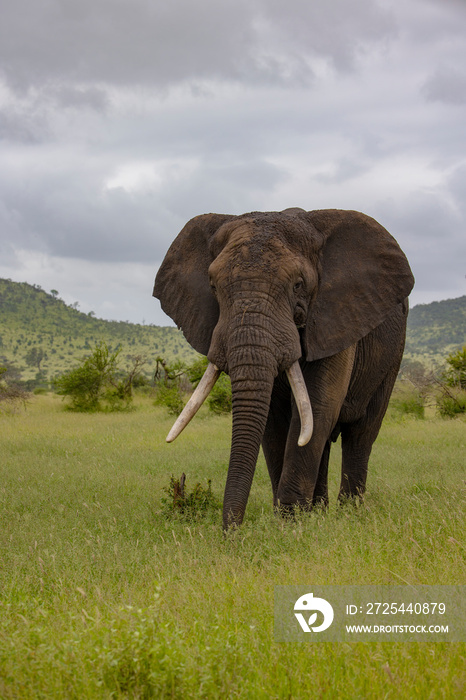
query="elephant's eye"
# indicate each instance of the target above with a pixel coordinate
(213, 288)
(298, 286)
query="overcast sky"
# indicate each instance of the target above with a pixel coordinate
(122, 119)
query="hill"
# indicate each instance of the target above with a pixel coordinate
(436, 329)
(30, 318)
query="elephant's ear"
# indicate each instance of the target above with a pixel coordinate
(364, 275)
(182, 282)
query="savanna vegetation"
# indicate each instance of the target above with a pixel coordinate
(117, 582)
(434, 330)
(11, 395)
(115, 578)
(41, 337)
(443, 389)
(98, 383)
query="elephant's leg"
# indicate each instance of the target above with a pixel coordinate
(383, 346)
(357, 440)
(356, 450)
(320, 496)
(301, 469)
(276, 433)
(304, 477)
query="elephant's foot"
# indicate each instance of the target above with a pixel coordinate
(355, 499)
(289, 511)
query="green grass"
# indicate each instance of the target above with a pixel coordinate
(104, 595)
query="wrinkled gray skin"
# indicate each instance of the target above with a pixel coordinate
(255, 293)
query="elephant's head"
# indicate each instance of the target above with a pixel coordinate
(257, 293)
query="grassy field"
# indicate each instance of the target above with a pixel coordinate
(105, 596)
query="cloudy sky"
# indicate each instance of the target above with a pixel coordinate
(122, 119)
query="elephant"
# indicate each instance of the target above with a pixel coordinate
(306, 311)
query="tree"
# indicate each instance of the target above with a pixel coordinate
(168, 379)
(452, 399)
(35, 356)
(10, 393)
(455, 374)
(165, 374)
(98, 383)
(445, 389)
(130, 380)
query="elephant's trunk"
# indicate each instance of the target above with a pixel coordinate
(251, 391)
(254, 360)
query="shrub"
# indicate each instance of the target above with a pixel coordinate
(410, 404)
(169, 381)
(11, 395)
(172, 380)
(219, 400)
(455, 374)
(171, 397)
(90, 383)
(451, 400)
(452, 403)
(408, 400)
(199, 502)
(97, 384)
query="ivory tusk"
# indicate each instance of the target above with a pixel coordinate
(198, 397)
(298, 387)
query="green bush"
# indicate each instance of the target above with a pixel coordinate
(95, 384)
(11, 395)
(168, 385)
(219, 400)
(452, 403)
(455, 374)
(171, 397)
(196, 369)
(410, 403)
(40, 390)
(197, 503)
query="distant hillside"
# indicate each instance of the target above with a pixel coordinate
(436, 329)
(32, 318)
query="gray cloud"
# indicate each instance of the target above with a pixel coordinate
(431, 227)
(16, 125)
(121, 120)
(447, 84)
(65, 96)
(141, 42)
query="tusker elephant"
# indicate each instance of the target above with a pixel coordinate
(306, 311)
